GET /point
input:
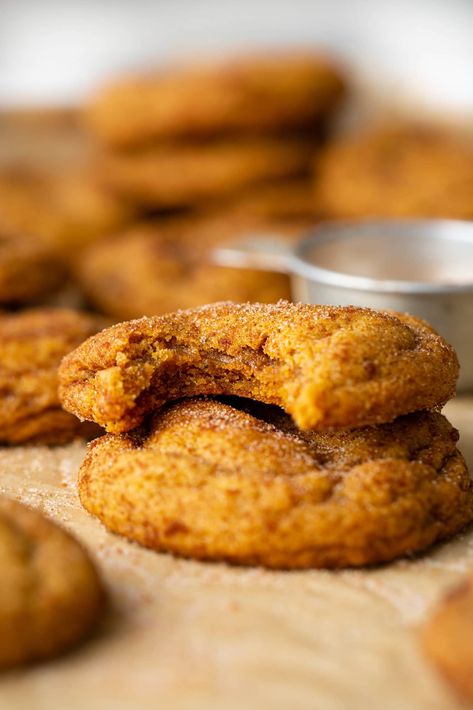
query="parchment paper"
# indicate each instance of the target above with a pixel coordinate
(183, 634)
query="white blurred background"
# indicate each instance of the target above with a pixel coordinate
(56, 51)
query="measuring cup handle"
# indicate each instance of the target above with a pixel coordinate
(264, 252)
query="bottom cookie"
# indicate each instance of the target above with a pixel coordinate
(206, 480)
(50, 594)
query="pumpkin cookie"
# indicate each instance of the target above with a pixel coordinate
(275, 496)
(28, 270)
(50, 594)
(446, 637)
(397, 171)
(160, 268)
(63, 211)
(253, 94)
(326, 366)
(184, 175)
(32, 344)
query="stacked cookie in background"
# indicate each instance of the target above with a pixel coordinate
(206, 153)
(397, 169)
(48, 192)
(360, 468)
(218, 151)
(204, 134)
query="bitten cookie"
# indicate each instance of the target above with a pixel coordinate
(328, 367)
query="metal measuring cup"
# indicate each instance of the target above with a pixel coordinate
(423, 267)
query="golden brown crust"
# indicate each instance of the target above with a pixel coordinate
(32, 344)
(274, 496)
(28, 270)
(161, 267)
(397, 171)
(181, 175)
(50, 594)
(326, 366)
(253, 94)
(446, 638)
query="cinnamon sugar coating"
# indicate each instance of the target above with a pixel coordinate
(328, 367)
(32, 344)
(205, 480)
(257, 93)
(50, 594)
(446, 638)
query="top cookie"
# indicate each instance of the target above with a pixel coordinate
(328, 367)
(252, 94)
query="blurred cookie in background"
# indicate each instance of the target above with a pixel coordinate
(396, 171)
(285, 200)
(48, 193)
(48, 136)
(51, 596)
(29, 271)
(61, 209)
(256, 93)
(32, 344)
(181, 175)
(162, 267)
(446, 637)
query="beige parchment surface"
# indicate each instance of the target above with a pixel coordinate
(183, 634)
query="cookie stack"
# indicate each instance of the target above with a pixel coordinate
(203, 134)
(359, 468)
(205, 154)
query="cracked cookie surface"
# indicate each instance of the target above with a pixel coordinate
(328, 367)
(206, 480)
(50, 593)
